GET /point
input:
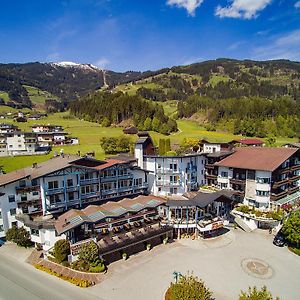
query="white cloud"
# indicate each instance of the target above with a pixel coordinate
(244, 9)
(285, 46)
(102, 62)
(297, 4)
(189, 5)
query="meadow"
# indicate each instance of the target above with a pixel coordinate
(90, 133)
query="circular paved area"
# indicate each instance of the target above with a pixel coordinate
(257, 268)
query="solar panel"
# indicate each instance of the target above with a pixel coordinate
(97, 215)
(137, 206)
(76, 219)
(119, 211)
(153, 202)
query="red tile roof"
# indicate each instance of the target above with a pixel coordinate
(110, 163)
(257, 158)
(251, 142)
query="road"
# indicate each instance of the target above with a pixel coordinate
(19, 280)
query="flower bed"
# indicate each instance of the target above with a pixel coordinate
(76, 281)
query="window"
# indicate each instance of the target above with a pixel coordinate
(158, 166)
(53, 199)
(71, 196)
(22, 183)
(251, 174)
(173, 167)
(34, 182)
(52, 185)
(224, 174)
(223, 185)
(173, 190)
(11, 198)
(70, 182)
(35, 193)
(14, 224)
(0, 214)
(23, 197)
(13, 211)
(262, 180)
(262, 193)
(34, 232)
(159, 189)
(1, 228)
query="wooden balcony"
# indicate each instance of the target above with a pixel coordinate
(26, 189)
(295, 167)
(211, 176)
(237, 181)
(210, 166)
(294, 177)
(293, 190)
(280, 182)
(275, 196)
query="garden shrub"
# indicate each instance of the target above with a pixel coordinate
(61, 250)
(20, 236)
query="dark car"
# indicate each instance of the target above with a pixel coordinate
(279, 239)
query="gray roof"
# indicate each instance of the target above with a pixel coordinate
(201, 199)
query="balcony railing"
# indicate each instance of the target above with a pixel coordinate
(168, 171)
(54, 191)
(277, 196)
(280, 182)
(237, 181)
(89, 181)
(26, 189)
(295, 167)
(167, 183)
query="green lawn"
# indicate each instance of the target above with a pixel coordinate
(4, 96)
(215, 79)
(90, 133)
(38, 96)
(132, 88)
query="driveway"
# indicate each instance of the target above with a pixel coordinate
(227, 264)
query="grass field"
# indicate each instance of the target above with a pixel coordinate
(4, 96)
(90, 133)
(38, 96)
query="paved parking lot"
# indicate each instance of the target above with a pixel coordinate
(227, 264)
(220, 262)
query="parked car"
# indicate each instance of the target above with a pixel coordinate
(279, 239)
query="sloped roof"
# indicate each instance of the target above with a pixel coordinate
(41, 169)
(251, 141)
(257, 158)
(95, 213)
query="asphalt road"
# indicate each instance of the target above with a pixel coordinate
(19, 280)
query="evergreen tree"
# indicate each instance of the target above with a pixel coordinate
(162, 147)
(148, 124)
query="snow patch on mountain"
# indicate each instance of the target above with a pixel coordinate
(70, 64)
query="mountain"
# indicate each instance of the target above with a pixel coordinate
(55, 85)
(240, 96)
(65, 81)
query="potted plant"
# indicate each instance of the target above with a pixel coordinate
(148, 247)
(165, 240)
(124, 256)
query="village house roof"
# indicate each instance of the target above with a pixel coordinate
(295, 145)
(96, 213)
(250, 142)
(257, 158)
(44, 168)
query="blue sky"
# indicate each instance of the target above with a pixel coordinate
(148, 34)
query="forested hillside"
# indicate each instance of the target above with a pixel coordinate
(66, 83)
(113, 108)
(245, 97)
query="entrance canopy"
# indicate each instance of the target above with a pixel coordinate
(202, 199)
